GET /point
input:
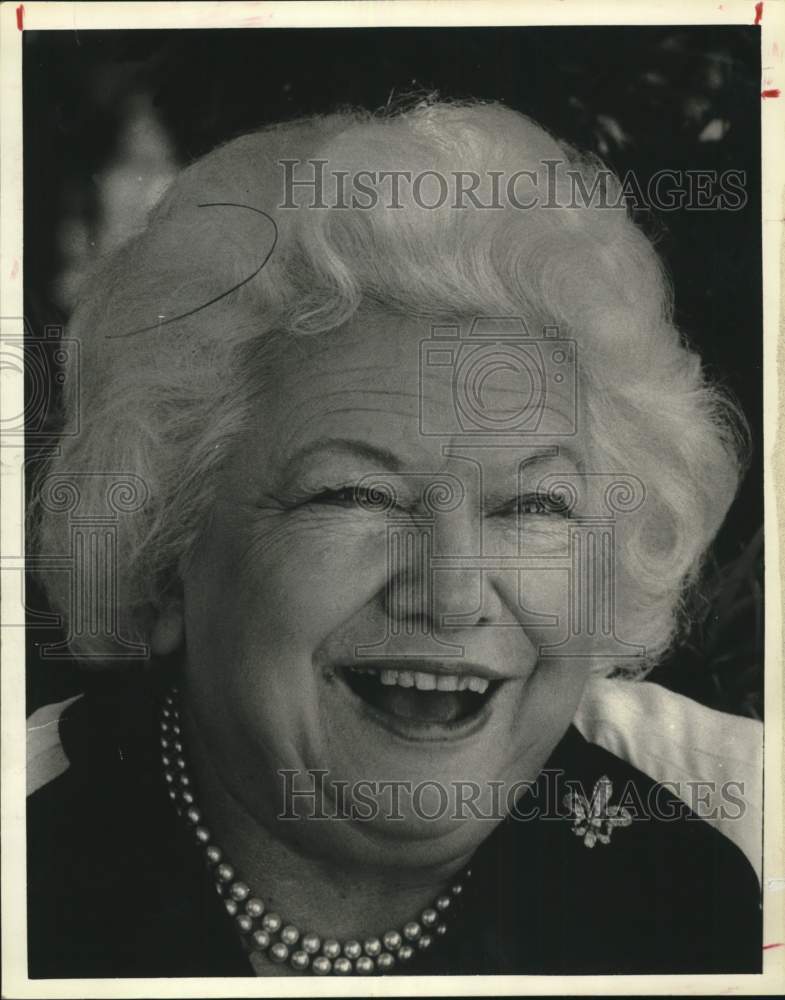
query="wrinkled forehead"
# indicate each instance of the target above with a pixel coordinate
(420, 385)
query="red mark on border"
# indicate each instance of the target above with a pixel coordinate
(20, 17)
(774, 92)
(758, 12)
(778, 944)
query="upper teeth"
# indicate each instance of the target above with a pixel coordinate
(429, 682)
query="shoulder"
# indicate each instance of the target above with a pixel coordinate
(115, 885)
(80, 851)
(664, 893)
(710, 760)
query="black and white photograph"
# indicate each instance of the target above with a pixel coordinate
(385, 438)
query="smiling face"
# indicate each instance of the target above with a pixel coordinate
(354, 605)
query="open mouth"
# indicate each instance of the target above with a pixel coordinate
(413, 697)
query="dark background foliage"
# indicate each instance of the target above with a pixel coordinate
(644, 99)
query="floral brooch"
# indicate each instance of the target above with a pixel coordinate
(594, 819)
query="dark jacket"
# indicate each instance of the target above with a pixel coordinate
(117, 886)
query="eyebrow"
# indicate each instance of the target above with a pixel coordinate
(529, 465)
(543, 453)
(350, 446)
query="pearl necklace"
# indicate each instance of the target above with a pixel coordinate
(266, 932)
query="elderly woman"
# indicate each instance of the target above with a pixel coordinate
(400, 455)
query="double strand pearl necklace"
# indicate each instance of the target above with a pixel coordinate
(266, 932)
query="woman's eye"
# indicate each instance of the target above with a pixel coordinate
(542, 503)
(371, 499)
(343, 496)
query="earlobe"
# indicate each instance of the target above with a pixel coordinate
(167, 633)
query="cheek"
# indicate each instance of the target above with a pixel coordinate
(288, 584)
(539, 600)
(325, 579)
(552, 699)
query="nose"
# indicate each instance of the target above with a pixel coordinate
(432, 584)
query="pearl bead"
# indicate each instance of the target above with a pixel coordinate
(300, 960)
(279, 952)
(225, 872)
(193, 815)
(179, 748)
(164, 743)
(321, 965)
(164, 727)
(290, 935)
(412, 930)
(441, 929)
(231, 906)
(342, 966)
(180, 763)
(187, 797)
(202, 834)
(372, 947)
(172, 794)
(245, 923)
(271, 922)
(261, 940)
(176, 730)
(254, 907)
(364, 965)
(457, 889)
(311, 943)
(331, 948)
(425, 942)
(385, 962)
(468, 873)
(239, 891)
(392, 940)
(168, 777)
(429, 917)
(166, 713)
(352, 949)
(443, 903)
(405, 952)
(166, 761)
(184, 779)
(213, 854)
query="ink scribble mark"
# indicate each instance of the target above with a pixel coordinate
(191, 312)
(773, 92)
(777, 944)
(20, 17)
(758, 12)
